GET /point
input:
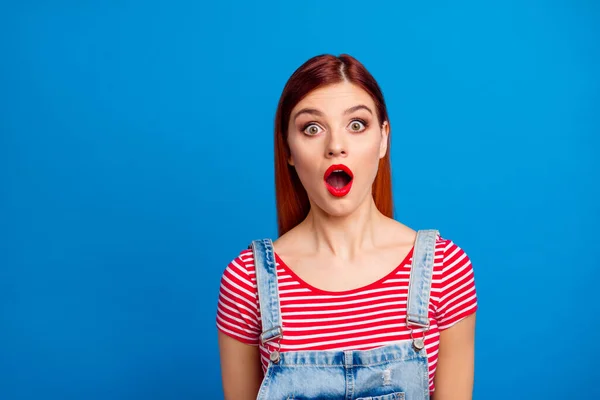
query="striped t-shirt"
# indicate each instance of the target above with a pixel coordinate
(359, 319)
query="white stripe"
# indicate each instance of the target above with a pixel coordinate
(380, 343)
(283, 293)
(398, 280)
(401, 330)
(369, 345)
(392, 303)
(339, 326)
(342, 296)
(329, 342)
(343, 303)
(286, 284)
(397, 311)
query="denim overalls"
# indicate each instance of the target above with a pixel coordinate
(395, 371)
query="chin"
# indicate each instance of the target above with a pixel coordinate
(337, 207)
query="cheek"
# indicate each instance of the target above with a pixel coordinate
(301, 159)
(302, 153)
(369, 151)
(304, 162)
(367, 159)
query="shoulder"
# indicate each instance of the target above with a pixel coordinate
(452, 264)
(443, 244)
(239, 275)
(449, 253)
(245, 260)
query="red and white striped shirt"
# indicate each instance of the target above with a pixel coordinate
(360, 319)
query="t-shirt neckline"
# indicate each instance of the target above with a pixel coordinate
(368, 286)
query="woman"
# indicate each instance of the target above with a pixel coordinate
(347, 303)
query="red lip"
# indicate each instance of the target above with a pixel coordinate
(339, 192)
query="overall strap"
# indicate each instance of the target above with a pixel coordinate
(419, 286)
(268, 294)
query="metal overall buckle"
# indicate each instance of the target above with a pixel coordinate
(275, 354)
(418, 343)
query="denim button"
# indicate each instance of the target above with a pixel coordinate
(274, 356)
(418, 343)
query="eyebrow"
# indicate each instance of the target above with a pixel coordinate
(311, 111)
(314, 111)
(356, 108)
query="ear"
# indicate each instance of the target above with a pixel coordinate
(290, 161)
(385, 134)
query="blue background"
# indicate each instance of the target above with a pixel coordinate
(136, 162)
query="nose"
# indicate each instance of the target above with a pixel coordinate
(336, 146)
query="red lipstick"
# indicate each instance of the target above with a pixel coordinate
(338, 180)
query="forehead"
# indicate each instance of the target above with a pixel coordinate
(336, 98)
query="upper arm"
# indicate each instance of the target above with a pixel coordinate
(239, 327)
(456, 358)
(241, 372)
(455, 314)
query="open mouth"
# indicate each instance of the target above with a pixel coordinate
(338, 179)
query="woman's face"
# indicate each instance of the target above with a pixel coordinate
(336, 142)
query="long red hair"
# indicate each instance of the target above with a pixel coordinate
(292, 201)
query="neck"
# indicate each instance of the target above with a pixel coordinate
(344, 236)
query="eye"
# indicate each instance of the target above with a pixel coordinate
(312, 129)
(357, 125)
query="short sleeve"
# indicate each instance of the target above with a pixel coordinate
(237, 309)
(458, 297)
